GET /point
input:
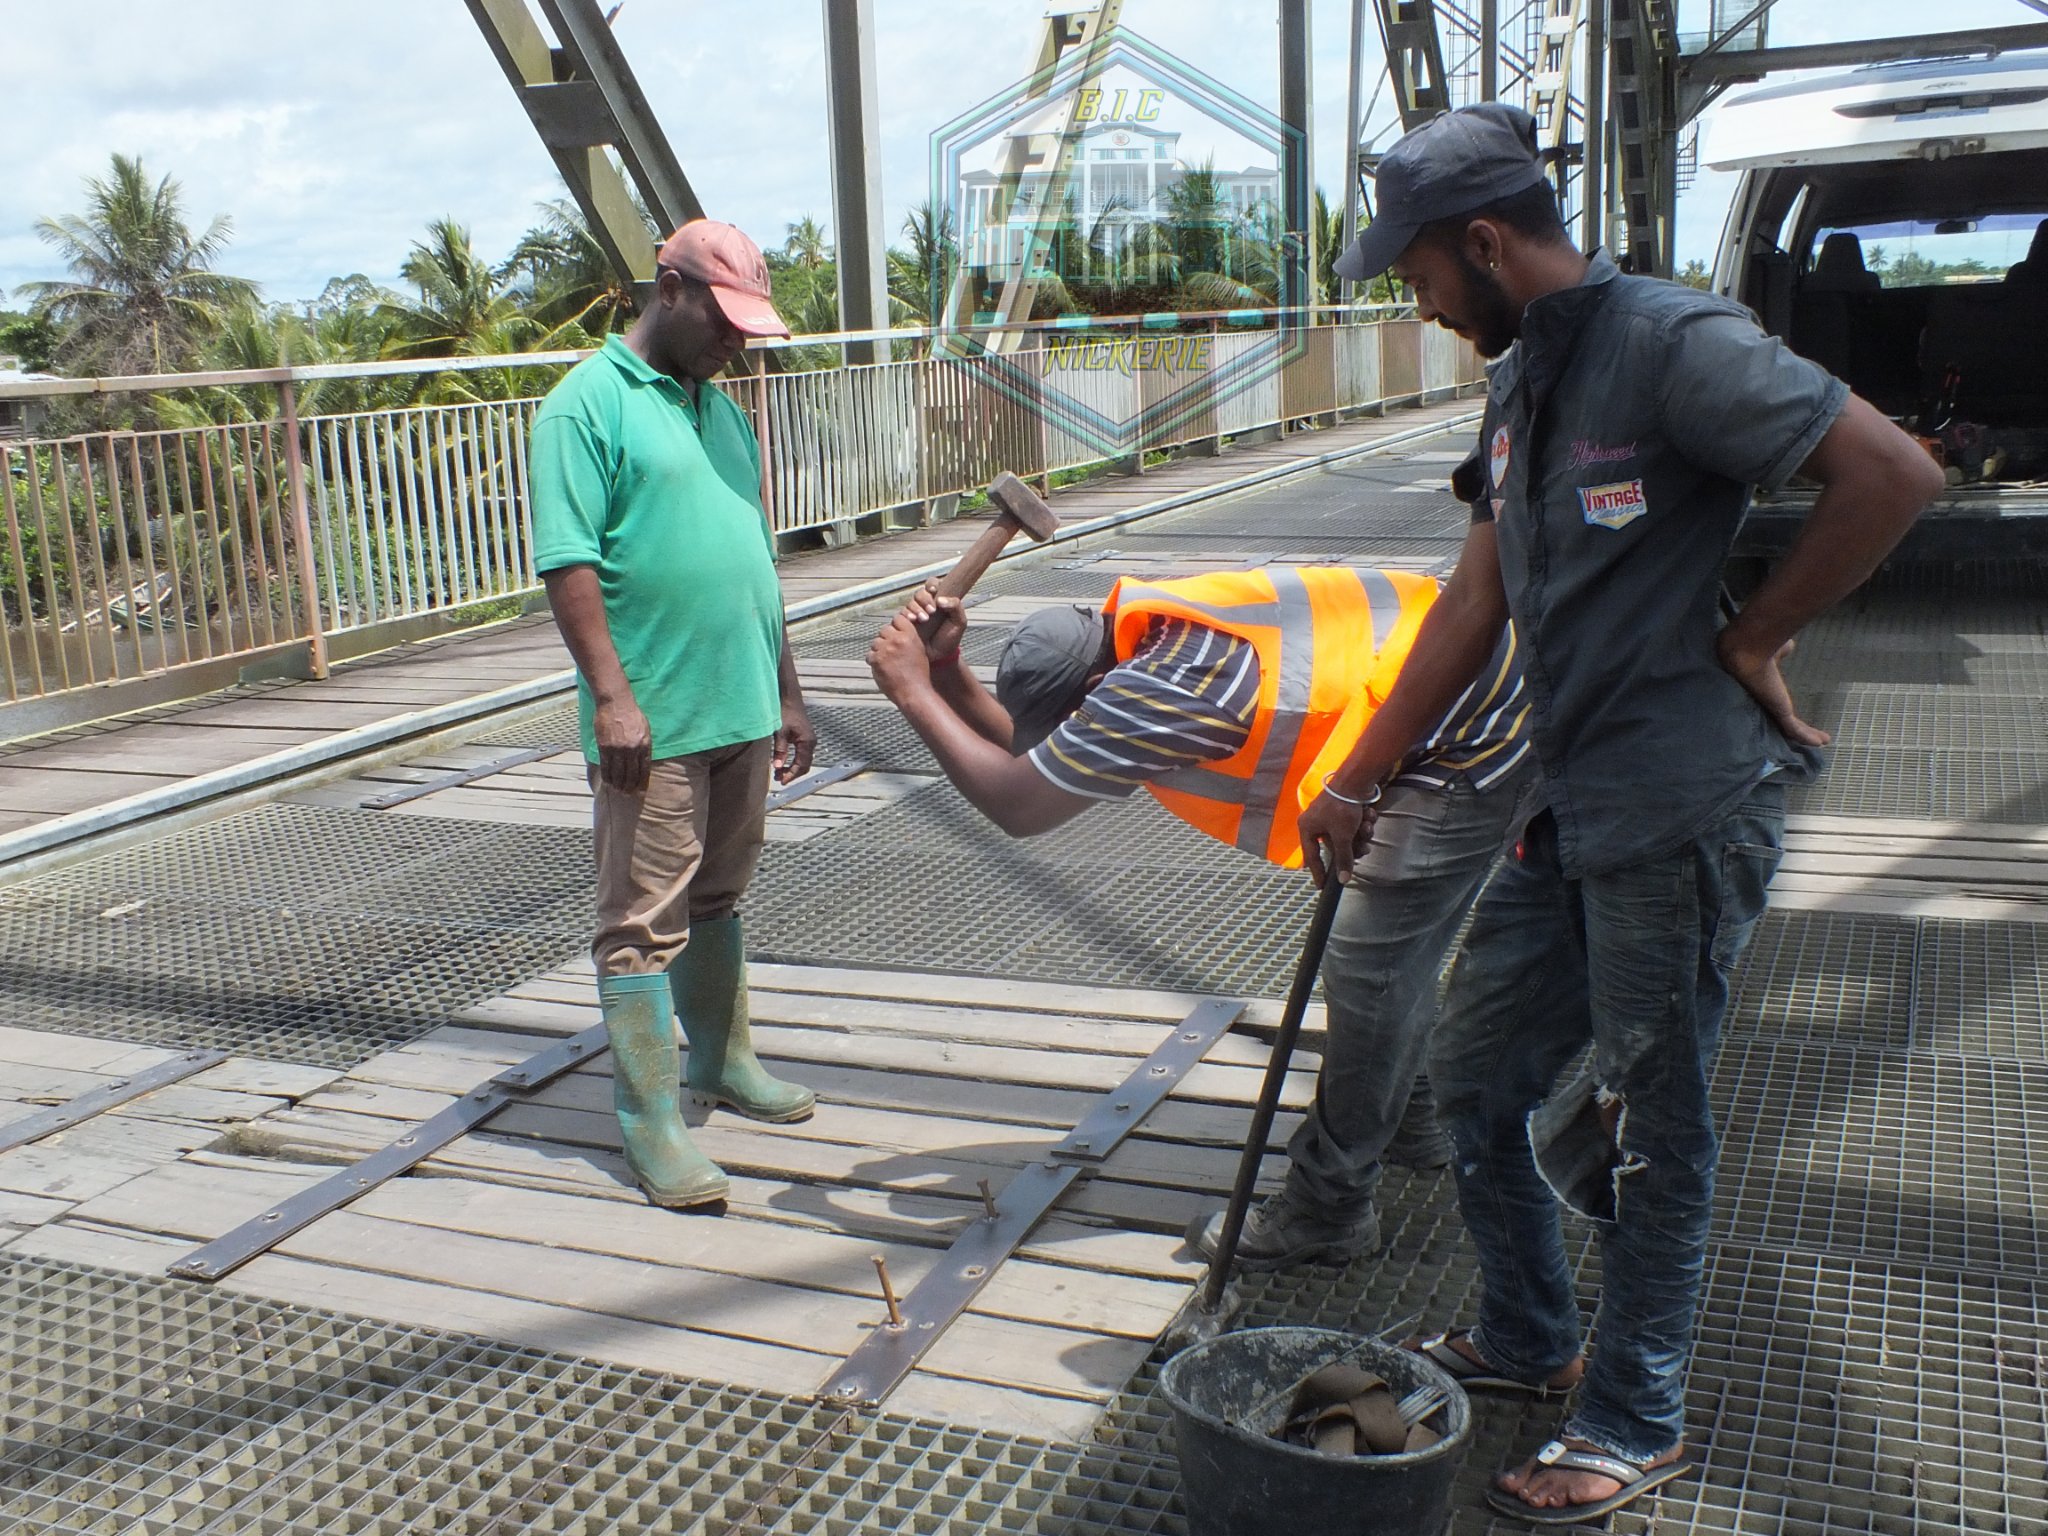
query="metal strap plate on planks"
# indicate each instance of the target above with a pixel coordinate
(232, 1250)
(456, 777)
(892, 1350)
(812, 782)
(63, 1116)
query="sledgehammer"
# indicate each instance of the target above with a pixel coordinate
(1019, 507)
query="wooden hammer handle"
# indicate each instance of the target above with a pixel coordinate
(981, 554)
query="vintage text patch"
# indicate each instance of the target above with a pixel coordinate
(1610, 506)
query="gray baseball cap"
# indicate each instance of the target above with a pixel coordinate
(1452, 164)
(1043, 674)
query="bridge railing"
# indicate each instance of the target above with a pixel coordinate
(144, 564)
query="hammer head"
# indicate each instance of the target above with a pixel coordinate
(1024, 505)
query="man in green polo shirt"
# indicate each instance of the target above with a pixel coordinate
(649, 532)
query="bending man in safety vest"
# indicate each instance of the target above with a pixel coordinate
(1230, 696)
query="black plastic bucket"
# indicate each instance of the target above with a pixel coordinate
(1228, 1396)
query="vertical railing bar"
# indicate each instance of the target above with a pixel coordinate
(515, 490)
(396, 506)
(119, 510)
(302, 531)
(272, 524)
(434, 431)
(447, 486)
(420, 458)
(229, 543)
(318, 429)
(149, 573)
(16, 552)
(464, 508)
(510, 545)
(492, 437)
(81, 612)
(53, 608)
(203, 543)
(457, 428)
(441, 517)
(253, 505)
(170, 521)
(356, 484)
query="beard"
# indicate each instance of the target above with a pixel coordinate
(1492, 321)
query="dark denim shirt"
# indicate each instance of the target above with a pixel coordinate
(1624, 433)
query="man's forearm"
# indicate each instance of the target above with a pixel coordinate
(967, 698)
(1875, 482)
(577, 601)
(1456, 639)
(982, 771)
(787, 682)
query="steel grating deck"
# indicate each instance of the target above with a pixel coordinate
(1870, 1358)
(296, 933)
(145, 1406)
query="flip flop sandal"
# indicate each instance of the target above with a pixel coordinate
(1473, 1376)
(1635, 1482)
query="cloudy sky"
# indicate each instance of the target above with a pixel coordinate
(332, 133)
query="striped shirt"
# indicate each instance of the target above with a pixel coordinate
(1189, 695)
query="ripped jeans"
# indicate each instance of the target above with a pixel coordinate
(1636, 961)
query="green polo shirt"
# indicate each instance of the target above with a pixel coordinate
(664, 497)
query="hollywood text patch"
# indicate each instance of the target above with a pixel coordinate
(1610, 506)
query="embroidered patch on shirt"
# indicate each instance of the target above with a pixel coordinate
(1610, 506)
(1500, 455)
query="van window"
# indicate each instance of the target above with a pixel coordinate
(1916, 253)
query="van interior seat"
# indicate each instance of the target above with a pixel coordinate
(1994, 334)
(2032, 270)
(1839, 268)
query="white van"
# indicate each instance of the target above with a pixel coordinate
(1892, 224)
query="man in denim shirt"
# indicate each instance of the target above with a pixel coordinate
(1627, 422)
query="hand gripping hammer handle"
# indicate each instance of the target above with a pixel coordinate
(1311, 961)
(1018, 507)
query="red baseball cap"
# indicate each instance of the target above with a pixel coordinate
(733, 266)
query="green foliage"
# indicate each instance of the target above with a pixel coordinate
(32, 338)
(1695, 274)
(142, 294)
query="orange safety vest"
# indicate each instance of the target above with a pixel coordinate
(1330, 641)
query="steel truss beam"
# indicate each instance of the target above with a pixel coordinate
(1415, 59)
(1068, 25)
(1755, 63)
(586, 106)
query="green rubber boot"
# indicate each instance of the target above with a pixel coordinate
(710, 982)
(645, 1063)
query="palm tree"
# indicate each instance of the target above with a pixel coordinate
(569, 276)
(1197, 220)
(921, 277)
(464, 307)
(807, 245)
(142, 291)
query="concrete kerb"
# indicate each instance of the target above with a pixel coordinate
(63, 839)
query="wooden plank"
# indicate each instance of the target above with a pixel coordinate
(53, 791)
(979, 991)
(312, 1134)
(201, 1202)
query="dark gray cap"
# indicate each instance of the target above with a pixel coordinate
(1452, 164)
(1044, 671)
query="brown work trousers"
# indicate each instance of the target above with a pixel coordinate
(682, 849)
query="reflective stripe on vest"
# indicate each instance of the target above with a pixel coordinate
(1322, 635)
